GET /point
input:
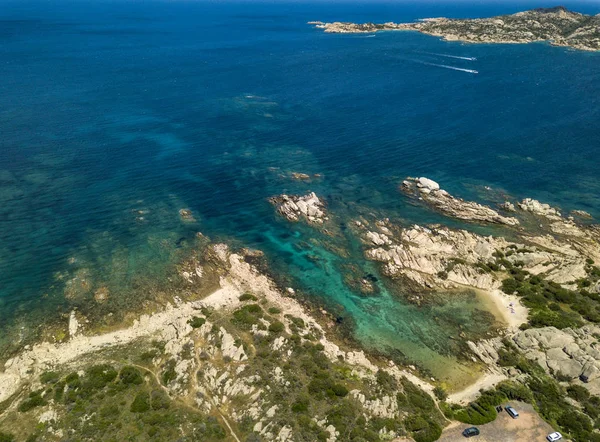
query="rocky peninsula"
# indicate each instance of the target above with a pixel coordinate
(558, 26)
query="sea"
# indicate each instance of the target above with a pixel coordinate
(115, 114)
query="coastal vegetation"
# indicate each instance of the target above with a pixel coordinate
(549, 303)
(258, 370)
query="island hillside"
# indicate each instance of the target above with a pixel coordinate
(557, 25)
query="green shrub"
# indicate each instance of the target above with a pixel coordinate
(475, 414)
(169, 373)
(386, 381)
(159, 400)
(507, 358)
(298, 322)
(34, 400)
(197, 322)
(59, 389)
(110, 411)
(276, 327)
(339, 390)
(98, 376)
(509, 286)
(422, 428)
(247, 316)
(440, 393)
(130, 376)
(515, 391)
(248, 297)
(274, 310)
(576, 424)
(343, 416)
(380, 423)
(300, 406)
(141, 403)
(6, 437)
(147, 356)
(415, 397)
(73, 380)
(49, 377)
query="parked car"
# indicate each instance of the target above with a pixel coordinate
(553, 437)
(511, 412)
(471, 431)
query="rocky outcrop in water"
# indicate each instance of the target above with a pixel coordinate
(440, 257)
(436, 257)
(540, 209)
(558, 26)
(295, 207)
(430, 192)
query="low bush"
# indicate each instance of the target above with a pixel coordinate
(440, 393)
(248, 297)
(414, 397)
(276, 327)
(169, 373)
(386, 381)
(6, 437)
(131, 376)
(247, 316)
(34, 400)
(141, 403)
(49, 377)
(197, 322)
(422, 428)
(159, 400)
(475, 414)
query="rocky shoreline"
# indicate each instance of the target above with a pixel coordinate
(231, 356)
(201, 357)
(558, 26)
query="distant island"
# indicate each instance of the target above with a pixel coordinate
(558, 25)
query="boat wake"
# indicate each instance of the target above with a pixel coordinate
(450, 56)
(454, 68)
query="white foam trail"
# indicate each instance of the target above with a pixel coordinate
(369, 36)
(454, 68)
(451, 56)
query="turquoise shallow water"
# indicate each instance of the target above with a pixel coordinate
(113, 116)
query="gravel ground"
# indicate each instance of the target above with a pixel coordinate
(528, 427)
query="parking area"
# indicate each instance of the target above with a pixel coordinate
(528, 427)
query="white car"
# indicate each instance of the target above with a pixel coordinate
(553, 437)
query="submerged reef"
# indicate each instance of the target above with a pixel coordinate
(559, 26)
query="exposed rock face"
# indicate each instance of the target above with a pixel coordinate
(509, 207)
(296, 207)
(300, 176)
(427, 185)
(440, 257)
(557, 25)
(442, 201)
(186, 215)
(581, 214)
(571, 353)
(486, 350)
(436, 256)
(537, 208)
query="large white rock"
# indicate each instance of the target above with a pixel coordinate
(426, 183)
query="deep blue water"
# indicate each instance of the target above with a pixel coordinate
(111, 108)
